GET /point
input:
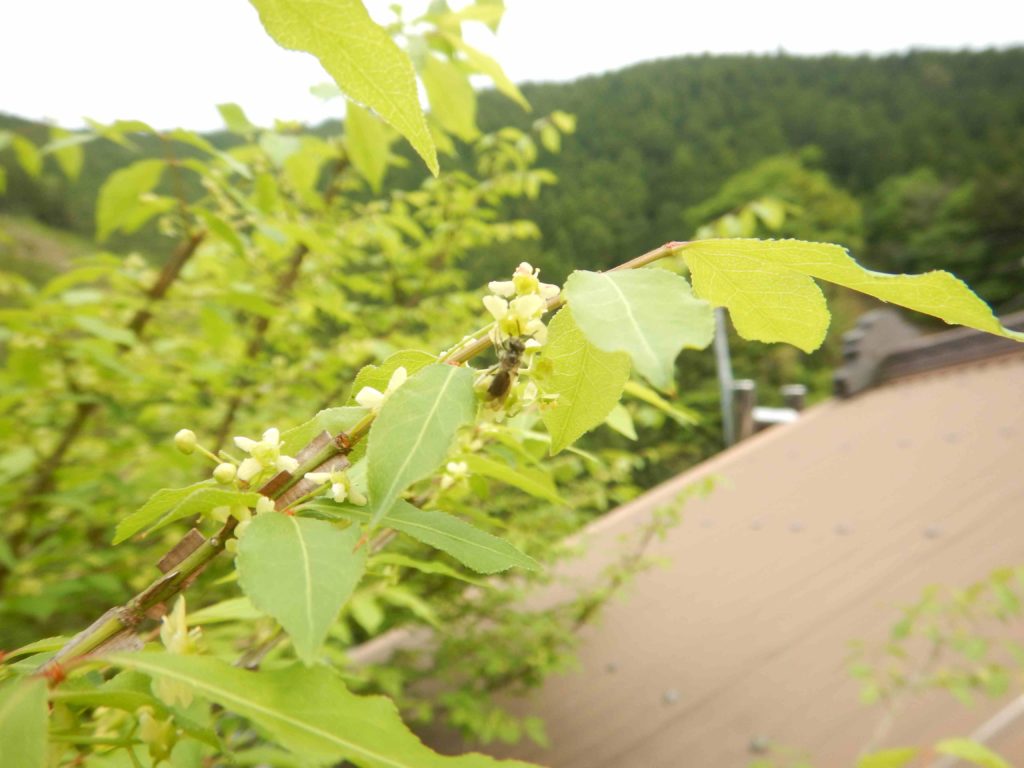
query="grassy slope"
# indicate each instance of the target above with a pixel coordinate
(35, 250)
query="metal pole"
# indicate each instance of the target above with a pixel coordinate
(724, 366)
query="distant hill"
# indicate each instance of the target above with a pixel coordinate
(658, 138)
(35, 250)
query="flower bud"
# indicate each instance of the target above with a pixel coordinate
(224, 473)
(185, 440)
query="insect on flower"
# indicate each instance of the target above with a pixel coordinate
(510, 359)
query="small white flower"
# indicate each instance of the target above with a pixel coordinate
(264, 504)
(454, 472)
(519, 305)
(459, 468)
(341, 486)
(263, 455)
(372, 399)
(174, 631)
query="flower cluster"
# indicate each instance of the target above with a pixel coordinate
(263, 455)
(373, 399)
(519, 304)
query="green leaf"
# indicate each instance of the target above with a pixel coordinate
(118, 131)
(232, 609)
(378, 376)
(279, 147)
(302, 169)
(401, 597)
(472, 547)
(565, 122)
(485, 65)
(118, 205)
(333, 420)
(326, 91)
(300, 571)
(620, 420)
(414, 430)
(587, 380)
(534, 482)
(681, 415)
(28, 155)
(82, 275)
(366, 611)
(67, 148)
(424, 566)
(45, 645)
(369, 144)
(16, 462)
(308, 711)
(127, 691)
(23, 715)
(452, 99)
(768, 289)
(971, 751)
(96, 327)
(649, 313)
(223, 230)
(889, 758)
(360, 56)
(170, 504)
(235, 119)
(193, 139)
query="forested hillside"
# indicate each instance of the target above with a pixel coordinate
(656, 139)
(929, 145)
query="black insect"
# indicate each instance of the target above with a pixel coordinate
(510, 358)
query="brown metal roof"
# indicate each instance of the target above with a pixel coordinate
(817, 533)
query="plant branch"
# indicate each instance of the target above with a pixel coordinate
(125, 619)
(170, 272)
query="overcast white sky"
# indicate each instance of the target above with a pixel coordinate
(169, 63)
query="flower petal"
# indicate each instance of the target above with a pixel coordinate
(287, 464)
(497, 306)
(505, 288)
(397, 379)
(370, 398)
(248, 469)
(245, 443)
